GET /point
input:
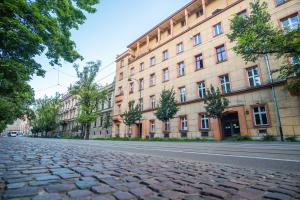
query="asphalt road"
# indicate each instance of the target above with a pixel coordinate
(257, 155)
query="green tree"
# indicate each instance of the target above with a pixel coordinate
(133, 114)
(46, 112)
(167, 106)
(107, 123)
(215, 104)
(256, 36)
(29, 29)
(89, 95)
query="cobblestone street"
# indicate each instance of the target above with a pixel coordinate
(43, 169)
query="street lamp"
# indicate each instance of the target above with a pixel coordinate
(140, 91)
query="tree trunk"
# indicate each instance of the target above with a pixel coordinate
(87, 132)
(82, 132)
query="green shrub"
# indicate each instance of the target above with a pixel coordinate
(291, 139)
(239, 138)
(269, 138)
(70, 137)
(158, 139)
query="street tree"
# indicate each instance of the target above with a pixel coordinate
(132, 115)
(29, 29)
(167, 106)
(107, 122)
(46, 113)
(256, 36)
(89, 95)
(215, 104)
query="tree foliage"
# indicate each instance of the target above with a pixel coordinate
(29, 29)
(256, 36)
(167, 106)
(46, 112)
(215, 103)
(89, 95)
(133, 114)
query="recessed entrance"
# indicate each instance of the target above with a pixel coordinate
(140, 129)
(230, 124)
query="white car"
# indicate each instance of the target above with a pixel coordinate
(13, 135)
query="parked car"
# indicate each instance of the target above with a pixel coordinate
(12, 134)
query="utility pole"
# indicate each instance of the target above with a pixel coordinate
(278, 121)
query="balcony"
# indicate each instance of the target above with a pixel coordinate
(117, 118)
(119, 97)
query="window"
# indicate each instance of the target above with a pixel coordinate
(131, 87)
(279, 2)
(165, 55)
(142, 67)
(197, 39)
(179, 47)
(242, 13)
(218, 29)
(122, 63)
(201, 89)
(152, 101)
(95, 123)
(260, 115)
(141, 104)
(165, 74)
(152, 61)
(131, 71)
(101, 121)
(119, 109)
(121, 76)
(167, 126)
(183, 123)
(181, 69)
(183, 23)
(295, 60)
(290, 23)
(141, 84)
(225, 84)
(152, 126)
(253, 76)
(120, 90)
(221, 53)
(199, 13)
(199, 61)
(182, 94)
(152, 80)
(204, 121)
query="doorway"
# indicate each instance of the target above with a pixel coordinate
(140, 130)
(230, 124)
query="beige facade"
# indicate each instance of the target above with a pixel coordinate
(69, 111)
(190, 51)
(21, 126)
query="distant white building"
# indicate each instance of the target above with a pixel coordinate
(20, 126)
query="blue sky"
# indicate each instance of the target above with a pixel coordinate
(104, 35)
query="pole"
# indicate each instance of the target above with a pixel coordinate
(140, 123)
(278, 121)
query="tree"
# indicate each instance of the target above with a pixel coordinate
(167, 106)
(215, 103)
(46, 112)
(256, 36)
(89, 95)
(132, 115)
(29, 29)
(107, 123)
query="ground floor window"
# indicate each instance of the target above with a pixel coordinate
(204, 121)
(260, 115)
(183, 123)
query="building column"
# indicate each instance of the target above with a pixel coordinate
(217, 129)
(158, 35)
(203, 8)
(147, 42)
(226, 3)
(186, 16)
(171, 26)
(138, 48)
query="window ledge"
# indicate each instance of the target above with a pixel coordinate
(178, 76)
(218, 62)
(199, 69)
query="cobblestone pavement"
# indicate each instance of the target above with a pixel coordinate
(46, 169)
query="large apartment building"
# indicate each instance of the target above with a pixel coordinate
(189, 51)
(69, 108)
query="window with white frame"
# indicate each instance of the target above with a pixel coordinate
(167, 126)
(204, 121)
(221, 53)
(131, 87)
(141, 84)
(165, 74)
(182, 94)
(218, 29)
(260, 115)
(181, 70)
(152, 126)
(165, 55)
(201, 89)
(179, 47)
(199, 61)
(290, 23)
(152, 79)
(152, 61)
(253, 76)
(142, 66)
(225, 83)
(197, 39)
(152, 101)
(183, 123)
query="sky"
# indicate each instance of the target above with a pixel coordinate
(105, 34)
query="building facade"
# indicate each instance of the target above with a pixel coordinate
(102, 127)
(21, 126)
(189, 51)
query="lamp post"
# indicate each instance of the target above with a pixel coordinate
(140, 99)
